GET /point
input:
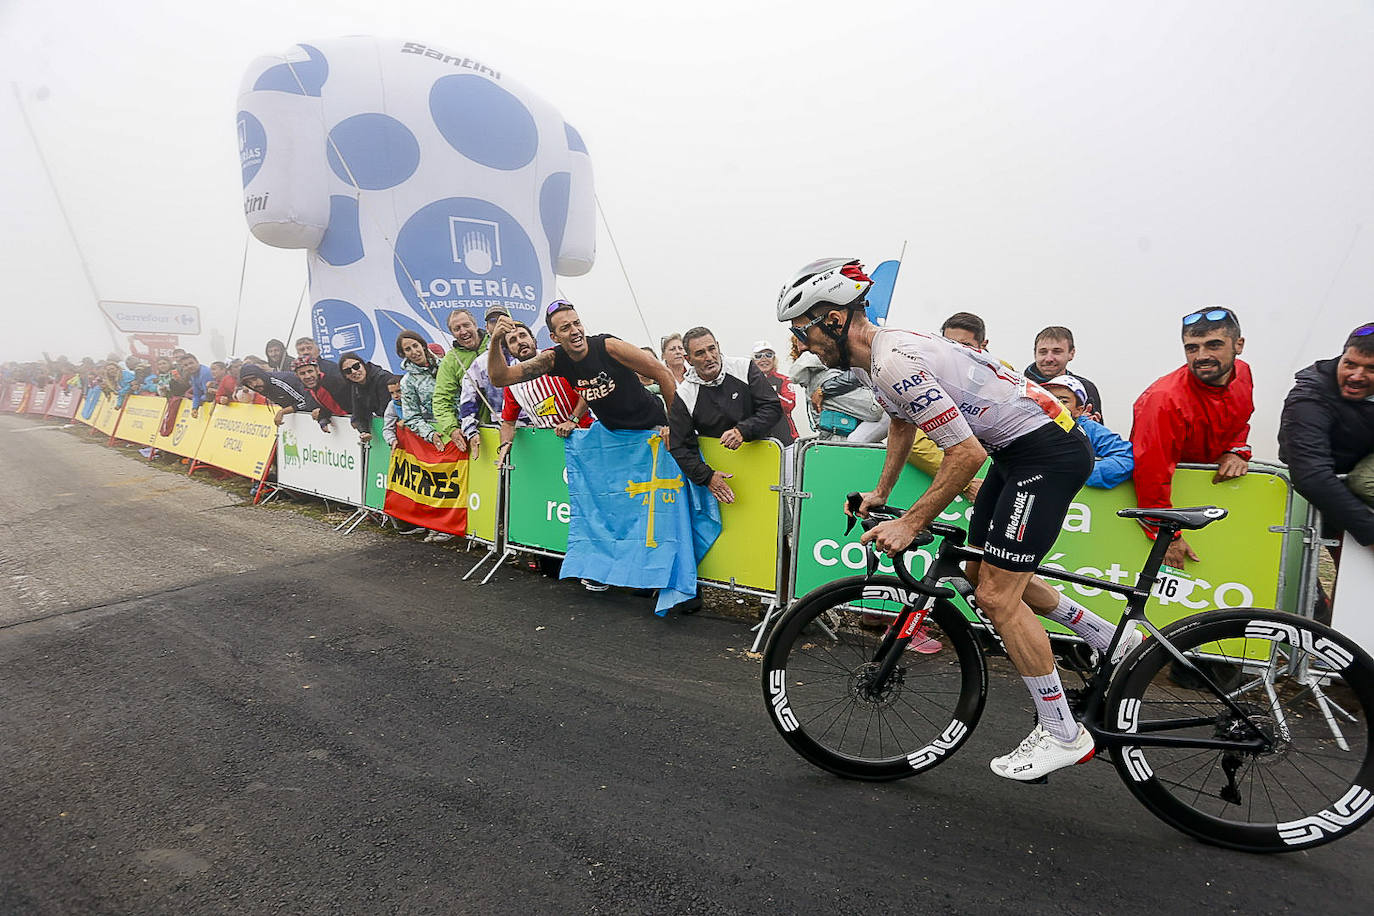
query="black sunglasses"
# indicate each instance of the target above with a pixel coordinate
(1216, 314)
(801, 332)
(352, 368)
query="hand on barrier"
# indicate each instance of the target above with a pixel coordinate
(459, 441)
(1230, 467)
(719, 488)
(732, 438)
(1178, 553)
(475, 447)
(564, 429)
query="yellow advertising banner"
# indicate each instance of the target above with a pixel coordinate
(106, 415)
(239, 438)
(186, 432)
(140, 419)
(484, 480)
(747, 548)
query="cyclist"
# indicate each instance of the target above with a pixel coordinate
(970, 404)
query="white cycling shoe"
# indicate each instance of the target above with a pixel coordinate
(1041, 754)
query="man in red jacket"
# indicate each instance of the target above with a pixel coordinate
(1199, 413)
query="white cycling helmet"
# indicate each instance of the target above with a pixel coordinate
(840, 282)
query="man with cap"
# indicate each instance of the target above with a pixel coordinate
(1114, 459)
(479, 401)
(766, 359)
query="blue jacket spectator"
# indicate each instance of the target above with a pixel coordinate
(199, 378)
(1115, 457)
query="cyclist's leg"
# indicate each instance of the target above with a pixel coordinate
(999, 596)
(1006, 569)
(983, 507)
(1049, 603)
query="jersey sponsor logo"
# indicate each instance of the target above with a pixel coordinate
(1021, 507)
(998, 553)
(924, 400)
(971, 410)
(931, 425)
(910, 382)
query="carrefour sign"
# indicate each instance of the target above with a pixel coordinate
(151, 317)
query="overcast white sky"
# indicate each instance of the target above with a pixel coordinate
(1104, 166)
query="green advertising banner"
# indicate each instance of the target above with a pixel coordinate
(1240, 557)
(539, 506)
(747, 549)
(484, 480)
(378, 466)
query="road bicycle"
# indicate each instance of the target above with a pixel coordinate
(1244, 728)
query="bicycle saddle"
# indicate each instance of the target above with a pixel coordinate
(1191, 518)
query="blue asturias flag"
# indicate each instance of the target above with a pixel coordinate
(884, 278)
(635, 521)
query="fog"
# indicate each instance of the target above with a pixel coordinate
(1109, 167)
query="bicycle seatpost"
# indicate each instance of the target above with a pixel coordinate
(1164, 536)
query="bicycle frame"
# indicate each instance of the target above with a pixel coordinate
(953, 551)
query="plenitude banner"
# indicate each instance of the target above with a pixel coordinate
(239, 438)
(1240, 556)
(187, 431)
(427, 486)
(141, 418)
(326, 464)
(747, 549)
(538, 507)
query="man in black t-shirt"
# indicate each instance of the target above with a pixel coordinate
(602, 368)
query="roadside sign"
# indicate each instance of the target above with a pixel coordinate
(151, 346)
(152, 318)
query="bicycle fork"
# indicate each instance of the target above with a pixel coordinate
(895, 640)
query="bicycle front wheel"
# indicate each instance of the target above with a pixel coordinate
(1302, 689)
(820, 679)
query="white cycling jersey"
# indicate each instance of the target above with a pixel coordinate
(952, 391)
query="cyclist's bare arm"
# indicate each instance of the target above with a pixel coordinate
(962, 461)
(900, 436)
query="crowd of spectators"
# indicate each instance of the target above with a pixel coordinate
(493, 373)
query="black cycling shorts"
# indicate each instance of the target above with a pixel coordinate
(1021, 507)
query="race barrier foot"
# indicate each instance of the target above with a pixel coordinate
(491, 552)
(761, 628)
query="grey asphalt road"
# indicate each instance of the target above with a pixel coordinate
(214, 708)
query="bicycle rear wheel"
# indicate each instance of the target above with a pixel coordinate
(818, 679)
(1306, 688)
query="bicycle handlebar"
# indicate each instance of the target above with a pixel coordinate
(880, 514)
